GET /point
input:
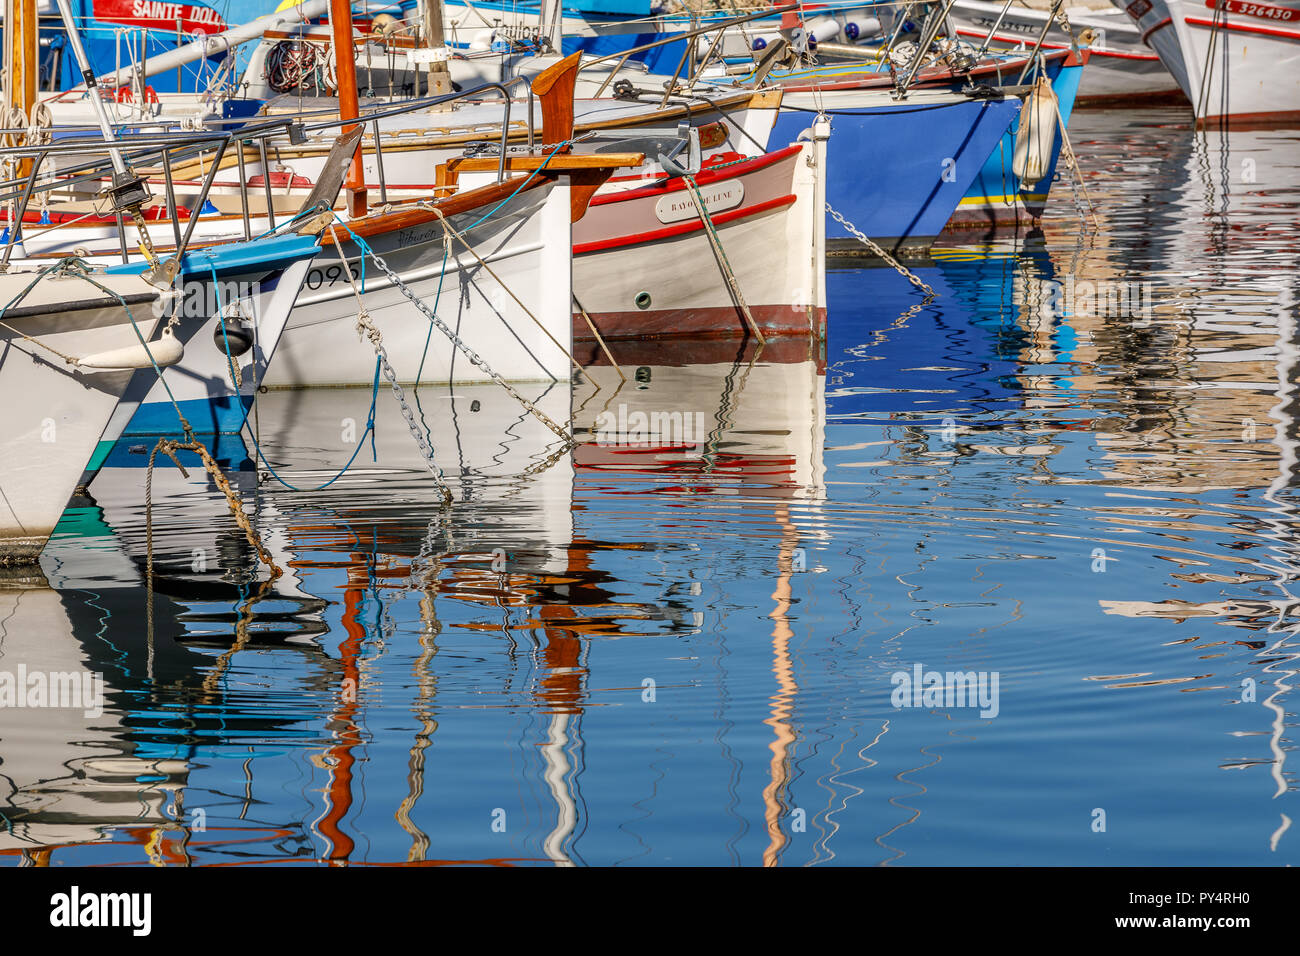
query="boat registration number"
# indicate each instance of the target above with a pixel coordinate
(330, 275)
(1264, 11)
(680, 206)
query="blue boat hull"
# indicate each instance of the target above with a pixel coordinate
(898, 172)
(997, 197)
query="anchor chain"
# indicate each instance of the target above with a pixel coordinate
(366, 327)
(879, 251)
(474, 358)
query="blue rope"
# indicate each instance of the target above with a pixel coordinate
(370, 420)
(436, 299)
(361, 443)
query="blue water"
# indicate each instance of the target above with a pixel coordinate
(657, 654)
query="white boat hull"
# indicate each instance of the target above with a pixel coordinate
(644, 265)
(1121, 66)
(55, 412)
(526, 244)
(1155, 30)
(1243, 63)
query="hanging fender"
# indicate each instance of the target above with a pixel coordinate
(1036, 136)
(166, 351)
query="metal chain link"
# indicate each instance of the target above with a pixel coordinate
(368, 328)
(874, 247)
(468, 352)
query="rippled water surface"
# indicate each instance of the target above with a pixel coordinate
(682, 651)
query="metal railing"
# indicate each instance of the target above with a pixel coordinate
(168, 149)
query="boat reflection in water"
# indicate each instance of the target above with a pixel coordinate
(678, 640)
(509, 582)
(67, 775)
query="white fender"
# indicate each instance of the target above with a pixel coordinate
(166, 351)
(827, 28)
(1037, 134)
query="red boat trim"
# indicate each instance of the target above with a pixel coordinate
(1281, 119)
(1242, 28)
(1014, 41)
(664, 186)
(681, 228)
(1125, 56)
(1159, 26)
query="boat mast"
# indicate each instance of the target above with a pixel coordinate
(21, 52)
(24, 50)
(436, 43)
(345, 59)
(92, 88)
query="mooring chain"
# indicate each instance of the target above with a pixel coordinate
(874, 247)
(1077, 183)
(366, 327)
(1072, 168)
(473, 357)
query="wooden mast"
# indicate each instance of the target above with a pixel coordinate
(345, 59)
(436, 42)
(26, 53)
(22, 49)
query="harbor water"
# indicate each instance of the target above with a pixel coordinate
(724, 628)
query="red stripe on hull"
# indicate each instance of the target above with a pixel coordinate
(1159, 26)
(681, 228)
(995, 216)
(663, 185)
(1013, 41)
(1282, 119)
(1243, 28)
(1169, 97)
(709, 350)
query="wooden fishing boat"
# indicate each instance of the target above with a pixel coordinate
(490, 260)
(1122, 71)
(647, 263)
(1242, 60)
